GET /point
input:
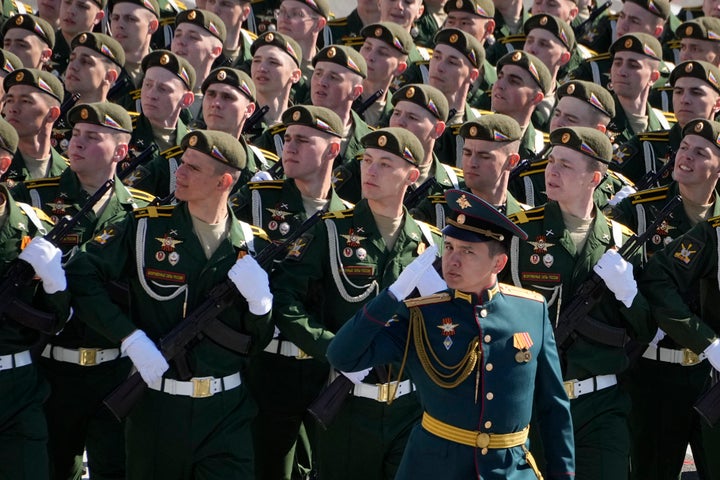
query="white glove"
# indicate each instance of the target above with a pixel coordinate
(357, 377)
(261, 176)
(252, 283)
(713, 354)
(45, 259)
(659, 335)
(431, 282)
(623, 193)
(618, 276)
(413, 273)
(145, 356)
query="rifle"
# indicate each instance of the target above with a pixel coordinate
(203, 320)
(255, 118)
(650, 179)
(68, 104)
(360, 109)
(574, 317)
(579, 30)
(708, 405)
(416, 195)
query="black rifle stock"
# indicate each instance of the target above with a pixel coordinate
(415, 196)
(591, 290)
(368, 102)
(652, 179)
(121, 401)
(579, 30)
(255, 118)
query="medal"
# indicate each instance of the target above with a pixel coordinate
(523, 356)
(347, 252)
(361, 254)
(174, 258)
(548, 260)
(159, 255)
(272, 225)
(284, 228)
(534, 258)
(522, 341)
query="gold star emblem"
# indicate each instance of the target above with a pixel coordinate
(463, 202)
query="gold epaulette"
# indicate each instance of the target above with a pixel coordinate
(601, 56)
(141, 194)
(433, 228)
(649, 195)
(353, 41)
(42, 182)
(514, 291)
(664, 88)
(259, 232)
(660, 135)
(485, 112)
(622, 178)
(134, 118)
(181, 4)
(338, 22)
(272, 156)
(714, 221)
(428, 300)
(172, 152)
(154, 212)
(512, 38)
(670, 116)
(437, 198)
(340, 214)
(266, 185)
(165, 21)
(252, 35)
(425, 52)
(673, 44)
(279, 128)
(525, 216)
(546, 137)
(627, 231)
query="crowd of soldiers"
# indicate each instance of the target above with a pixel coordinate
(433, 239)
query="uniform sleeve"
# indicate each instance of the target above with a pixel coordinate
(674, 273)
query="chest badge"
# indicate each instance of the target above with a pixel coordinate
(447, 328)
(168, 243)
(353, 239)
(522, 342)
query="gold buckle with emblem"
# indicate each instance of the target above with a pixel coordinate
(570, 390)
(689, 358)
(88, 356)
(482, 440)
(201, 387)
(386, 391)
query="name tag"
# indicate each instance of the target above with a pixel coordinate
(164, 275)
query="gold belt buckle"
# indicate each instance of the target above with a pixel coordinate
(689, 357)
(570, 390)
(386, 391)
(482, 440)
(201, 387)
(88, 356)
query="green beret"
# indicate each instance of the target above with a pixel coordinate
(10, 61)
(320, 6)
(8, 137)
(705, 71)
(703, 28)
(102, 44)
(208, 21)
(428, 97)
(641, 43)
(172, 63)
(104, 114)
(586, 140)
(392, 34)
(708, 129)
(481, 8)
(319, 118)
(464, 43)
(344, 56)
(46, 82)
(530, 63)
(561, 29)
(472, 219)
(283, 42)
(397, 141)
(151, 5)
(221, 146)
(34, 24)
(492, 128)
(591, 93)
(660, 8)
(233, 77)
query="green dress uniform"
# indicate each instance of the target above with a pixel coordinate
(61, 54)
(23, 429)
(448, 148)
(550, 264)
(502, 29)
(171, 430)
(326, 277)
(647, 152)
(18, 171)
(424, 29)
(346, 30)
(169, 9)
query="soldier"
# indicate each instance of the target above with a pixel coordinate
(510, 16)
(50, 12)
(569, 238)
(236, 48)
(475, 384)
(32, 105)
(23, 448)
(76, 17)
(200, 245)
(329, 274)
(432, 19)
(303, 20)
(10, 62)
(80, 358)
(30, 38)
(346, 30)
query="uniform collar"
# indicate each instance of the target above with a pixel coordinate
(475, 299)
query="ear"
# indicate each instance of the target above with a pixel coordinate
(249, 110)
(216, 51)
(226, 182)
(439, 128)
(597, 178)
(246, 9)
(111, 76)
(5, 161)
(489, 28)
(603, 128)
(573, 13)
(187, 99)
(538, 98)
(565, 58)
(121, 151)
(501, 260)
(654, 76)
(53, 114)
(356, 91)
(513, 160)
(153, 26)
(658, 31)
(296, 75)
(474, 74)
(402, 66)
(321, 22)
(413, 175)
(98, 17)
(334, 149)
(45, 55)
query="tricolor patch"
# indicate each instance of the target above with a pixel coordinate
(595, 102)
(106, 51)
(352, 65)
(397, 44)
(322, 125)
(472, 57)
(499, 137)
(44, 86)
(213, 29)
(245, 88)
(431, 106)
(481, 11)
(649, 51)
(39, 31)
(585, 148)
(407, 155)
(533, 71)
(109, 122)
(8, 66)
(653, 8)
(217, 154)
(184, 75)
(564, 38)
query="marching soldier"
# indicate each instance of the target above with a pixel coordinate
(31, 38)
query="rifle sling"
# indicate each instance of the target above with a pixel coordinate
(602, 333)
(227, 337)
(31, 317)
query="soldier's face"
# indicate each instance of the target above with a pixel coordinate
(225, 108)
(568, 178)
(77, 16)
(402, 12)
(87, 71)
(631, 74)
(547, 48)
(27, 46)
(27, 110)
(514, 92)
(697, 162)
(383, 174)
(333, 86)
(197, 177)
(273, 71)
(195, 44)
(694, 49)
(565, 10)
(161, 96)
(711, 8)
(49, 10)
(297, 20)
(306, 152)
(233, 12)
(382, 60)
(694, 98)
(93, 149)
(450, 71)
(573, 112)
(483, 163)
(635, 19)
(130, 25)
(469, 266)
(469, 23)
(417, 120)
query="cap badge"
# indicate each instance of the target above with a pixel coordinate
(689, 30)
(516, 56)
(84, 114)
(331, 52)
(565, 138)
(698, 127)
(193, 141)
(296, 115)
(164, 59)
(460, 219)
(570, 89)
(688, 68)
(83, 38)
(191, 15)
(459, 4)
(19, 20)
(453, 38)
(19, 76)
(382, 141)
(473, 131)
(463, 203)
(269, 37)
(222, 75)
(378, 32)
(410, 93)
(628, 43)
(543, 21)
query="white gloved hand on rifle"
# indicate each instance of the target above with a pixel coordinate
(145, 356)
(252, 282)
(46, 260)
(621, 194)
(617, 274)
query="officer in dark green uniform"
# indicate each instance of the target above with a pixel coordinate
(167, 90)
(568, 239)
(31, 38)
(669, 378)
(490, 152)
(172, 257)
(33, 121)
(80, 359)
(23, 430)
(326, 277)
(482, 353)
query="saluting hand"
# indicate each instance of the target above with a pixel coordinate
(415, 273)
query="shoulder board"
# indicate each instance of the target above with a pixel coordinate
(512, 38)
(134, 115)
(266, 184)
(625, 229)
(673, 44)
(41, 215)
(650, 195)
(514, 291)
(546, 137)
(135, 94)
(181, 4)
(601, 56)
(154, 212)
(425, 53)
(42, 183)
(165, 21)
(428, 300)
(339, 214)
(259, 232)
(172, 152)
(437, 198)
(433, 229)
(714, 221)
(669, 116)
(338, 22)
(664, 88)
(141, 194)
(528, 215)
(658, 135)
(252, 35)
(279, 128)
(272, 156)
